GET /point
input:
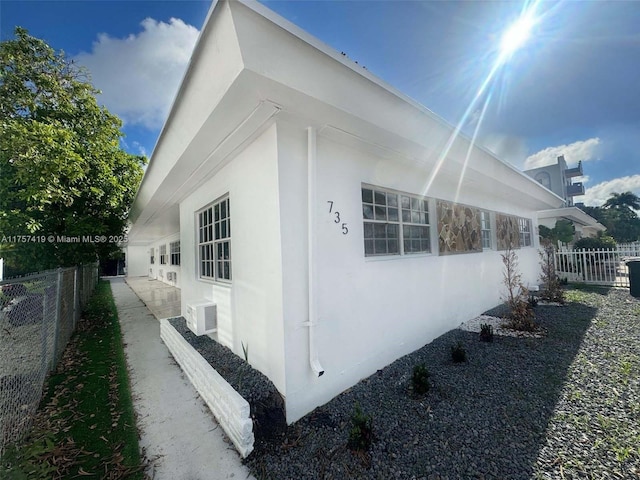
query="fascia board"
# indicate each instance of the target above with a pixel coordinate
(277, 49)
(193, 91)
(574, 214)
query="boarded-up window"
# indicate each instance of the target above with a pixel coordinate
(458, 228)
(507, 231)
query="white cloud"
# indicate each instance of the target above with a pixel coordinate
(598, 194)
(574, 152)
(583, 179)
(140, 148)
(140, 74)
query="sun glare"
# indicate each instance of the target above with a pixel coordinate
(516, 35)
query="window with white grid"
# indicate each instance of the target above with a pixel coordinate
(485, 228)
(163, 254)
(174, 253)
(214, 241)
(394, 223)
(524, 227)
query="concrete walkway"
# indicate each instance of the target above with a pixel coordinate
(163, 300)
(176, 427)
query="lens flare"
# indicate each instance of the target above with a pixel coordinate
(517, 35)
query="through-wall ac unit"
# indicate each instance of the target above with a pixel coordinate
(202, 317)
(172, 276)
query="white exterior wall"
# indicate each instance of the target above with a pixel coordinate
(157, 271)
(249, 309)
(137, 261)
(372, 311)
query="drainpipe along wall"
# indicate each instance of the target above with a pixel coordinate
(314, 362)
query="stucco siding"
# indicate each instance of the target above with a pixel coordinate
(373, 310)
(249, 308)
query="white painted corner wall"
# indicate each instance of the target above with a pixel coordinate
(249, 308)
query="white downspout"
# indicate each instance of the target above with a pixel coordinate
(311, 233)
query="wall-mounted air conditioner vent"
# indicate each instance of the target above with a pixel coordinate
(202, 317)
(172, 276)
(160, 273)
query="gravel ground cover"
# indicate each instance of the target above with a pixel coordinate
(266, 404)
(565, 406)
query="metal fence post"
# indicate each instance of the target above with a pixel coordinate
(57, 320)
(76, 298)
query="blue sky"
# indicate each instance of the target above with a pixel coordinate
(572, 89)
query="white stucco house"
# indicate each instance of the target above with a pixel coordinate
(335, 223)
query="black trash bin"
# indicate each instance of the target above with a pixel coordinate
(634, 277)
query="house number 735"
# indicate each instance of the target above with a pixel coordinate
(336, 218)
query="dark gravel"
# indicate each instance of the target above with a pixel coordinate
(566, 406)
(266, 404)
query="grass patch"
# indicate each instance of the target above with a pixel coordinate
(85, 424)
(577, 296)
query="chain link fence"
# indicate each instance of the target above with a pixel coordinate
(38, 315)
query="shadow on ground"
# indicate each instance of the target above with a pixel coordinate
(486, 418)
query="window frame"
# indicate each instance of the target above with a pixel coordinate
(174, 253)
(152, 257)
(407, 212)
(524, 232)
(486, 233)
(163, 254)
(213, 237)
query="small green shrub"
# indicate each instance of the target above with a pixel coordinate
(458, 353)
(596, 243)
(361, 432)
(486, 332)
(420, 379)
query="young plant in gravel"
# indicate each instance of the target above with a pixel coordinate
(486, 332)
(521, 316)
(420, 379)
(458, 353)
(361, 432)
(552, 288)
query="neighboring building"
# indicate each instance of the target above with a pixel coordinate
(558, 178)
(335, 223)
(585, 225)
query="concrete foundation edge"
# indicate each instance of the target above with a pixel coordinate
(229, 408)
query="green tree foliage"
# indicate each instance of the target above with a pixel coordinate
(625, 200)
(563, 231)
(62, 171)
(619, 215)
(602, 242)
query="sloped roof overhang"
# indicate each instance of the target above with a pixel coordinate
(279, 71)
